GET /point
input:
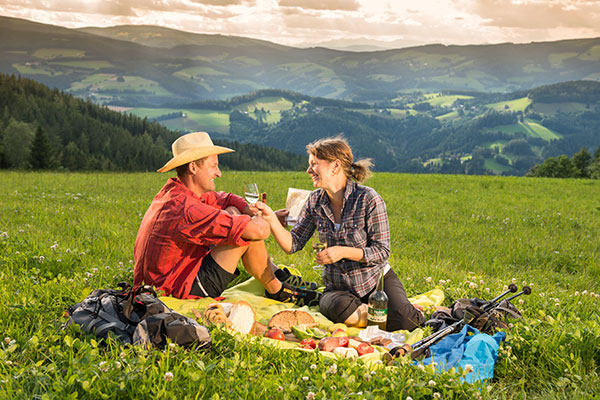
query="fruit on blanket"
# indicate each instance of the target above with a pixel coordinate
(343, 341)
(364, 348)
(285, 319)
(302, 331)
(346, 352)
(329, 343)
(308, 343)
(354, 343)
(339, 333)
(275, 333)
(318, 333)
(332, 328)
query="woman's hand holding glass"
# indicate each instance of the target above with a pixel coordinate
(330, 255)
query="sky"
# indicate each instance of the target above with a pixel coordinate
(391, 23)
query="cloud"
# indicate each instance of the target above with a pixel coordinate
(341, 5)
(223, 3)
(537, 14)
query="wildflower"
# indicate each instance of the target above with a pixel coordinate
(8, 362)
(310, 396)
(473, 285)
(130, 261)
(468, 368)
(505, 288)
(4, 234)
(94, 270)
(373, 372)
(68, 250)
(120, 263)
(41, 259)
(409, 398)
(442, 282)
(514, 280)
(556, 305)
(333, 369)
(168, 376)
(436, 395)
(280, 388)
(367, 376)
(313, 366)
(542, 294)
(431, 383)
(103, 366)
(585, 292)
(333, 387)
(481, 282)
(421, 367)
(117, 365)
(305, 378)
(428, 279)
(521, 301)
(54, 247)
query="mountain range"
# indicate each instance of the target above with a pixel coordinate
(137, 65)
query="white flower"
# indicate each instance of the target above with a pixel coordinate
(408, 398)
(333, 369)
(481, 282)
(117, 364)
(168, 376)
(542, 294)
(130, 261)
(521, 301)
(556, 305)
(421, 367)
(8, 362)
(442, 282)
(468, 368)
(310, 396)
(514, 280)
(333, 387)
(7, 340)
(473, 285)
(428, 279)
(103, 366)
(280, 388)
(41, 259)
(4, 234)
(431, 383)
(585, 292)
(305, 378)
(313, 366)
(436, 395)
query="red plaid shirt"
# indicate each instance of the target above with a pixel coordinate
(364, 226)
(179, 230)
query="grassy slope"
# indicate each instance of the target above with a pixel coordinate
(473, 233)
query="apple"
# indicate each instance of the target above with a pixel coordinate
(275, 333)
(339, 333)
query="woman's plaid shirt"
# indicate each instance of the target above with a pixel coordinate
(364, 225)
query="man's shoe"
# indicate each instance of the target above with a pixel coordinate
(290, 294)
(284, 275)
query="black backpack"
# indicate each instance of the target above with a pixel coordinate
(119, 313)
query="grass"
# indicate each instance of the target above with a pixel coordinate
(513, 105)
(530, 128)
(49, 54)
(99, 64)
(62, 234)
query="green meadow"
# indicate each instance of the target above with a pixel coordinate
(63, 234)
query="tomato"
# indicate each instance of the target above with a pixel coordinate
(343, 341)
(275, 333)
(308, 343)
(364, 348)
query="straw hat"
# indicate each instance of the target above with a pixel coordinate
(191, 147)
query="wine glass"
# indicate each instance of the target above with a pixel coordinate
(251, 193)
(319, 244)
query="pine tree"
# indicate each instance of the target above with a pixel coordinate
(41, 154)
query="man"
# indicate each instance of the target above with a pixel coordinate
(191, 237)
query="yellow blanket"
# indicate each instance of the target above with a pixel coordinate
(252, 292)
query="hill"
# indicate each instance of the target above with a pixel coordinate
(145, 65)
(445, 132)
(49, 129)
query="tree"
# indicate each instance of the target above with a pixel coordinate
(41, 153)
(555, 167)
(17, 144)
(581, 160)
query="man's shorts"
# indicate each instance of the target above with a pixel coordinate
(211, 280)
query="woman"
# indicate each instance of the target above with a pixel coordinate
(354, 220)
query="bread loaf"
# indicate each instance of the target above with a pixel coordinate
(241, 317)
(285, 319)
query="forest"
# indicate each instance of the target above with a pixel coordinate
(43, 128)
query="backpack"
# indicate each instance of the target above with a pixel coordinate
(119, 312)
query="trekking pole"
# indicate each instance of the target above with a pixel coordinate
(418, 348)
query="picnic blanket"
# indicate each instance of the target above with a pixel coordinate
(252, 291)
(467, 347)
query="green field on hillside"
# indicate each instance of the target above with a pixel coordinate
(553, 108)
(49, 54)
(62, 234)
(530, 128)
(438, 100)
(84, 64)
(511, 105)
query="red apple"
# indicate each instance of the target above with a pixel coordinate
(275, 333)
